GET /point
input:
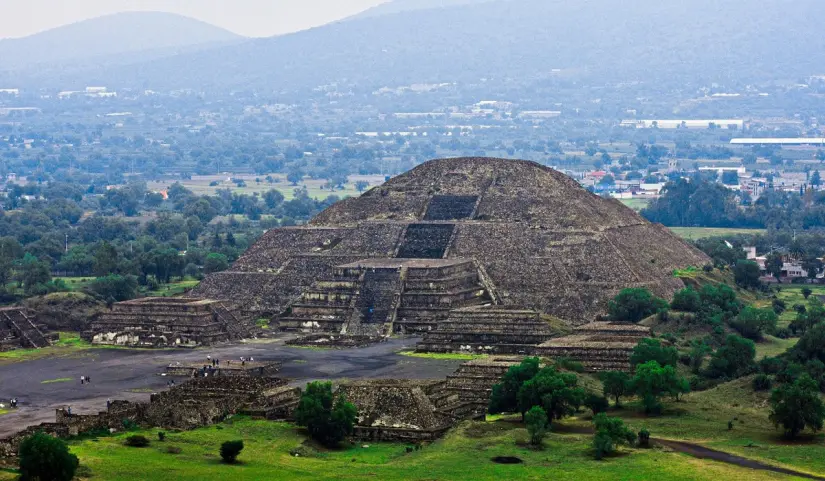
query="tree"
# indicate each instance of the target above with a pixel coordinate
(653, 350)
(806, 292)
(652, 381)
(33, 272)
(114, 286)
(797, 406)
(329, 419)
(773, 265)
(746, 274)
(810, 345)
(45, 458)
(616, 384)
(686, 300)
(734, 359)
(753, 322)
(816, 179)
(610, 432)
(215, 262)
(557, 392)
(536, 421)
(106, 259)
(634, 304)
(607, 180)
(294, 176)
(273, 198)
(730, 177)
(597, 404)
(361, 185)
(504, 397)
(230, 451)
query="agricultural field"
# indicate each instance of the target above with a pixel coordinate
(694, 233)
(200, 184)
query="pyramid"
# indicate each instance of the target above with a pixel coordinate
(450, 234)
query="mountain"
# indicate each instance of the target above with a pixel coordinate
(112, 35)
(400, 6)
(662, 44)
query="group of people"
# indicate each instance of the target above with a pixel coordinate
(13, 402)
(85, 380)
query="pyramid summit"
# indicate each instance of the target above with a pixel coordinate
(449, 234)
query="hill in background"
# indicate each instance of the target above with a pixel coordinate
(124, 34)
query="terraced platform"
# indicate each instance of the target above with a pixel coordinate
(599, 346)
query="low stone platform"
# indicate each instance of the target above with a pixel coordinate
(18, 328)
(474, 380)
(225, 368)
(334, 341)
(167, 322)
(488, 330)
(599, 346)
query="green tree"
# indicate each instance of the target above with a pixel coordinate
(616, 384)
(215, 262)
(797, 406)
(557, 392)
(106, 259)
(746, 274)
(230, 451)
(361, 185)
(32, 272)
(114, 286)
(536, 421)
(773, 265)
(329, 419)
(809, 346)
(806, 292)
(634, 304)
(273, 198)
(45, 458)
(652, 381)
(686, 300)
(653, 350)
(753, 322)
(610, 432)
(504, 397)
(734, 359)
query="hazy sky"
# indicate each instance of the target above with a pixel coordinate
(254, 18)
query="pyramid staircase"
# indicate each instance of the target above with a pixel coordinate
(20, 324)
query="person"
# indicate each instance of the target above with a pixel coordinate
(69, 410)
(88, 380)
(82, 380)
(208, 358)
(108, 403)
(173, 383)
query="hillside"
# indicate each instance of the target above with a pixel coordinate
(400, 6)
(123, 33)
(659, 43)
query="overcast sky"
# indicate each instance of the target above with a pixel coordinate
(254, 18)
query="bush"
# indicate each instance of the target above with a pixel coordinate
(644, 438)
(686, 300)
(806, 292)
(734, 359)
(602, 445)
(634, 304)
(610, 432)
(798, 406)
(752, 322)
(536, 421)
(762, 382)
(43, 457)
(778, 306)
(327, 418)
(570, 365)
(746, 274)
(161, 436)
(652, 350)
(137, 441)
(771, 365)
(230, 451)
(597, 404)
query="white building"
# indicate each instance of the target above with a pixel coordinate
(731, 124)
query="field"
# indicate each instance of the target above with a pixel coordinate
(200, 184)
(69, 344)
(635, 204)
(694, 233)
(464, 454)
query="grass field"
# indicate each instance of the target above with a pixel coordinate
(70, 344)
(636, 204)
(464, 454)
(52, 381)
(200, 184)
(694, 233)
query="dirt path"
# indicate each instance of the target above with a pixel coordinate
(702, 452)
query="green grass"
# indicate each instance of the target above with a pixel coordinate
(76, 283)
(70, 344)
(694, 233)
(773, 346)
(636, 204)
(464, 454)
(52, 381)
(443, 356)
(172, 289)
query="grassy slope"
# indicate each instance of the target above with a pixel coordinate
(464, 454)
(694, 233)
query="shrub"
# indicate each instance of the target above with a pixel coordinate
(734, 359)
(753, 322)
(644, 438)
(771, 365)
(797, 406)
(806, 292)
(783, 333)
(597, 404)
(570, 365)
(327, 418)
(634, 304)
(778, 306)
(43, 457)
(652, 350)
(686, 300)
(536, 421)
(610, 432)
(230, 451)
(161, 436)
(137, 441)
(762, 382)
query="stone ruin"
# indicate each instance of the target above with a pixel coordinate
(488, 330)
(599, 346)
(451, 234)
(18, 328)
(473, 382)
(226, 368)
(168, 322)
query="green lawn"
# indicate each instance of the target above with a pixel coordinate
(70, 344)
(635, 204)
(445, 356)
(52, 381)
(464, 454)
(176, 288)
(694, 233)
